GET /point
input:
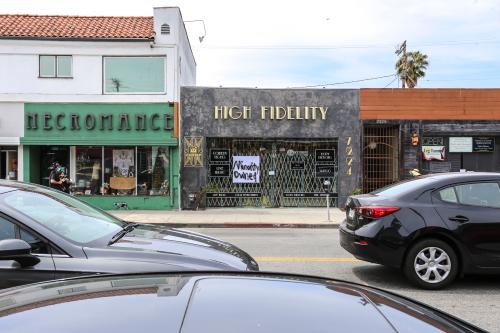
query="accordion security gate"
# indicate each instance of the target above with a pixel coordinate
(287, 168)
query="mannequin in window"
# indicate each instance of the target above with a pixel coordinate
(161, 162)
(94, 181)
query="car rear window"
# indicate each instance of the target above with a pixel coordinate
(403, 187)
(233, 305)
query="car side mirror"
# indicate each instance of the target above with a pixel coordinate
(17, 250)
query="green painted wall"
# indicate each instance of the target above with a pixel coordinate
(140, 203)
(31, 164)
(55, 126)
(81, 123)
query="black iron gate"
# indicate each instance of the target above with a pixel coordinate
(290, 173)
(380, 156)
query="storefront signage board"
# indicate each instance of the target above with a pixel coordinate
(220, 155)
(309, 194)
(297, 165)
(432, 141)
(433, 153)
(326, 156)
(483, 144)
(246, 169)
(99, 123)
(460, 144)
(301, 113)
(325, 171)
(219, 170)
(233, 195)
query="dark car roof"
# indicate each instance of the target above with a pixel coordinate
(464, 175)
(213, 302)
(422, 183)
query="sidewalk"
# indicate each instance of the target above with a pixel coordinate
(238, 217)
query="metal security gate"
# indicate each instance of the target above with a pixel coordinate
(380, 156)
(290, 175)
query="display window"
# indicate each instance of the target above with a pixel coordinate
(88, 177)
(122, 171)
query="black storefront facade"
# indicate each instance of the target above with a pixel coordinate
(427, 130)
(268, 147)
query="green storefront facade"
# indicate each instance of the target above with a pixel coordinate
(115, 154)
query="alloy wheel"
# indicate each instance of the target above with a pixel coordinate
(432, 264)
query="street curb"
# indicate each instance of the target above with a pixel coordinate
(250, 225)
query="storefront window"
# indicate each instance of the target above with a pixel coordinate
(134, 75)
(122, 171)
(88, 178)
(153, 171)
(119, 171)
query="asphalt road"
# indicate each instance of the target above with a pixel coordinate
(317, 252)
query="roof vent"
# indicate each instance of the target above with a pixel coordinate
(165, 29)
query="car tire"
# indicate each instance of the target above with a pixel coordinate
(431, 264)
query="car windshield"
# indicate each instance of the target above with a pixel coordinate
(403, 187)
(63, 214)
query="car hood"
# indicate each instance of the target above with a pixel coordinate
(159, 243)
(243, 301)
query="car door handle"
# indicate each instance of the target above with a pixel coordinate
(459, 219)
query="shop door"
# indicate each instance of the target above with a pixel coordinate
(3, 165)
(380, 156)
(290, 174)
(49, 155)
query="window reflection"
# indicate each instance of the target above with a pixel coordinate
(88, 171)
(122, 171)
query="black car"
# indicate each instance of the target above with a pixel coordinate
(215, 302)
(46, 234)
(434, 227)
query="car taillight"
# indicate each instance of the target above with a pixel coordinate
(376, 212)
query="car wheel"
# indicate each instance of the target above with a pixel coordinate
(431, 264)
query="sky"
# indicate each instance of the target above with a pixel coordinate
(318, 43)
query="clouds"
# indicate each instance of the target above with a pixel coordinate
(298, 43)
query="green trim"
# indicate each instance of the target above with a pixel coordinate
(139, 202)
(97, 142)
(26, 165)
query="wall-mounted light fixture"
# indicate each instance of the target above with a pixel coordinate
(204, 29)
(414, 139)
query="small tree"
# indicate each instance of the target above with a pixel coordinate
(410, 67)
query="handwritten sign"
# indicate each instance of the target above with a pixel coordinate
(246, 169)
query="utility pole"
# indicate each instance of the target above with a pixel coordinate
(399, 51)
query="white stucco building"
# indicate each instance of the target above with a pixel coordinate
(62, 73)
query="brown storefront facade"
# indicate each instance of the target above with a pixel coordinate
(432, 130)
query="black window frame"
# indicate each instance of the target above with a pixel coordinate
(55, 68)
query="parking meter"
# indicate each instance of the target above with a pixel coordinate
(326, 187)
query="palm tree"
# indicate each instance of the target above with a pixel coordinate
(410, 67)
